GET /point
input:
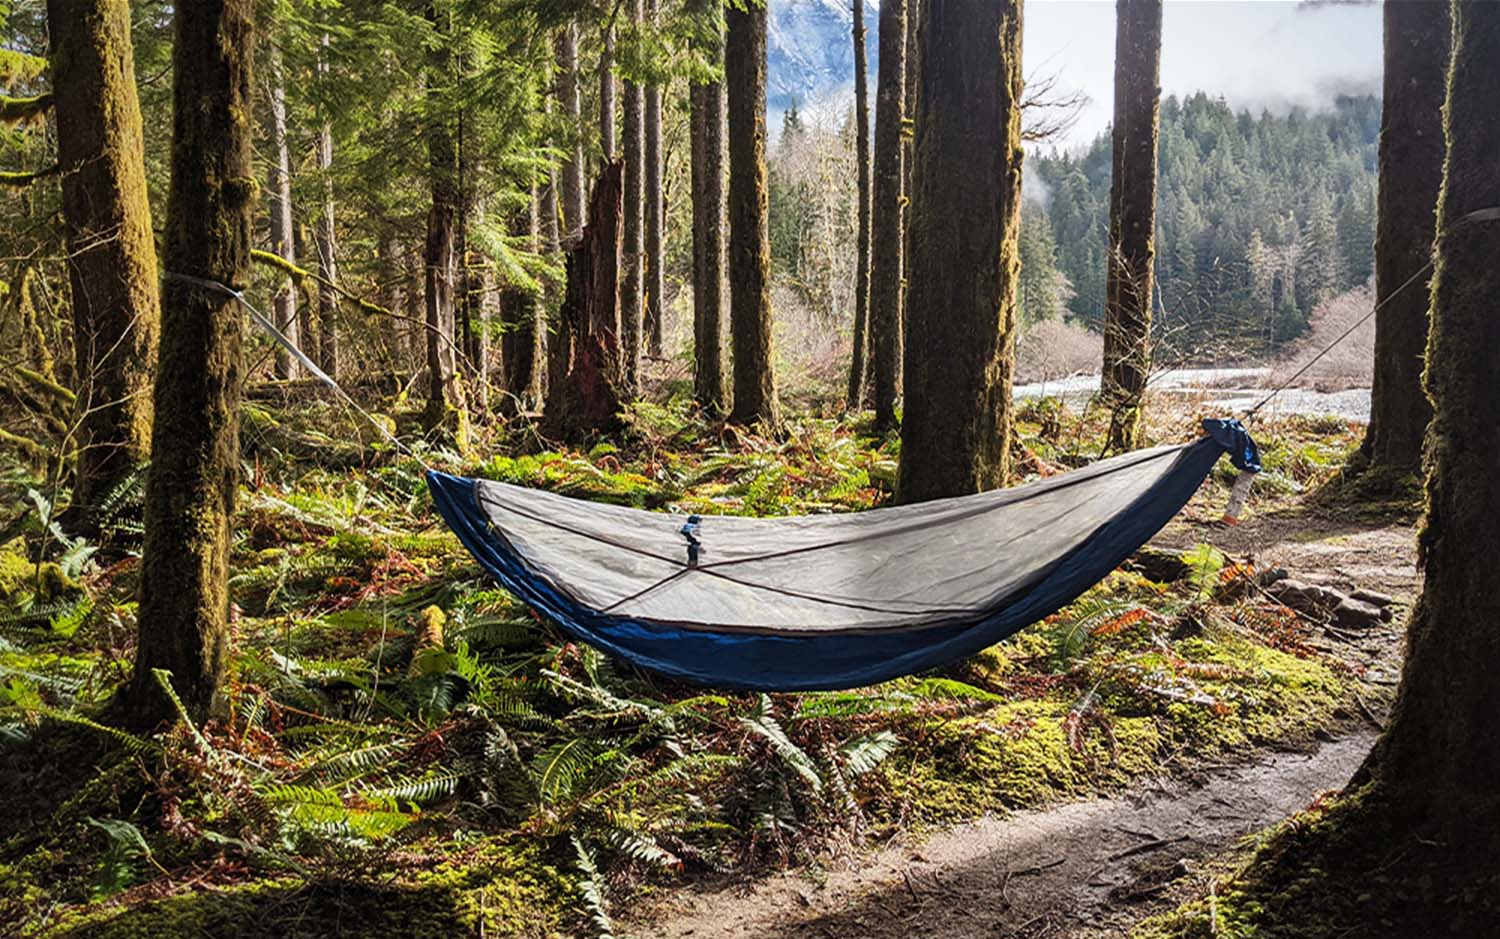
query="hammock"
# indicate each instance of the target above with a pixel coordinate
(825, 601)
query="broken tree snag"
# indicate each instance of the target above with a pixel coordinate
(588, 383)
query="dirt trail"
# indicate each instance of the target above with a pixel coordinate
(1083, 870)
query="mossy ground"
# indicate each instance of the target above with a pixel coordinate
(370, 781)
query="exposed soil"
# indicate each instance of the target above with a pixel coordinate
(1091, 869)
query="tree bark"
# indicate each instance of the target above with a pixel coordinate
(328, 298)
(111, 250)
(190, 490)
(655, 254)
(445, 405)
(586, 391)
(1437, 757)
(632, 280)
(572, 168)
(607, 141)
(707, 104)
(1417, 44)
(750, 321)
(885, 215)
(1132, 217)
(965, 221)
(524, 335)
(858, 357)
(279, 185)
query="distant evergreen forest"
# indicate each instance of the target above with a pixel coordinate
(1258, 220)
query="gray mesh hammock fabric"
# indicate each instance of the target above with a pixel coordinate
(825, 601)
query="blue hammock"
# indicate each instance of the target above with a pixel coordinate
(828, 601)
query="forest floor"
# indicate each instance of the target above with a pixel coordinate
(408, 752)
(1093, 868)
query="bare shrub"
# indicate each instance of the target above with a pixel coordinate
(1351, 363)
(1054, 349)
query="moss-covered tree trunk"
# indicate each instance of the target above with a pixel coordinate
(190, 490)
(111, 250)
(707, 133)
(886, 325)
(655, 241)
(586, 387)
(1132, 217)
(859, 356)
(1438, 757)
(965, 219)
(1417, 43)
(749, 227)
(572, 107)
(279, 191)
(632, 279)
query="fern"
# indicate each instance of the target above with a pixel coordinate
(764, 725)
(862, 754)
(592, 890)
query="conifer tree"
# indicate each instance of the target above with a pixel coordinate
(750, 320)
(279, 191)
(860, 356)
(886, 324)
(1132, 217)
(707, 133)
(190, 490)
(112, 253)
(965, 219)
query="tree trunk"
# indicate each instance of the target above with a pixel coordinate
(749, 233)
(111, 251)
(1437, 757)
(572, 168)
(965, 220)
(523, 338)
(857, 358)
(189, 508)
(607, 141)
(445, 405)
(707, 103)
(655, 254)
(885, 215)
(1132, 217)
(279, 185)
(476, 283)
(632, 281)
(328, 298)
(586, 392)
(1411, 171)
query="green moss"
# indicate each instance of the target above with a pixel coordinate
(1017, 755)
(24, 583)
(500, 889)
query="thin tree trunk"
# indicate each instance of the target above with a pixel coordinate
(607, 141)
(586, 393)
(632, 279)
(1132, 217)
(279, 185)
(392, 297)
(965, 222)
(1437, 757)
(886, 325)
(112, 254)
(573, 167)
(750, 323)
(328, 298)
(858, 356)
(1417, 44)
(189, 508)
(445, 405)
(522, 339)
(655, 255)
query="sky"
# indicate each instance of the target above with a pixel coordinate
(1255, 53)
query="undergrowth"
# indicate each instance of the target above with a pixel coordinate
(409, 751)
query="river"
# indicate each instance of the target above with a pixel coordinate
(1230, 390)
